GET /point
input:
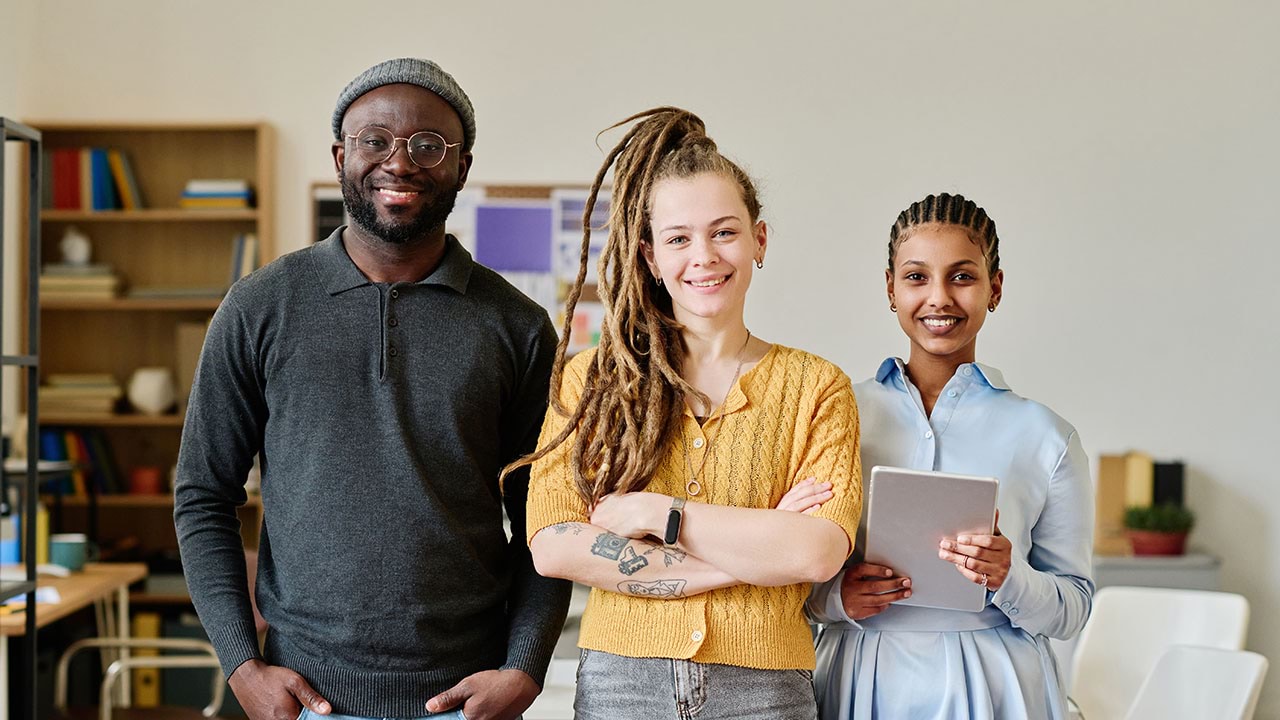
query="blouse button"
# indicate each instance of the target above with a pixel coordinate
(928, 434)
(697, 443)
(967, 371)
(952, 393)
(696, 636)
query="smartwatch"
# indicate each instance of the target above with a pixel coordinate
(674, 516)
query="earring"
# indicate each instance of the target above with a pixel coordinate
(991, 307)
(760, 263)
(658, 279)
(893, 307)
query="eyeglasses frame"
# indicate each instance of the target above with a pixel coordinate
(394, 144)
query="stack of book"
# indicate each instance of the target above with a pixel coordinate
(68, 281)
(90, 178)
(79, 394)
(231, 194)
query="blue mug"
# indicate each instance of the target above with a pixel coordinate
(70, 550)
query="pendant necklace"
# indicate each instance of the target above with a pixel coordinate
(693, 487)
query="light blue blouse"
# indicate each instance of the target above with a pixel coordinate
(922, 663)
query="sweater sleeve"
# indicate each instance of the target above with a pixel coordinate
(1051, 591)
(222, 433)
(553, 497)
(536, 606)
(831, 455)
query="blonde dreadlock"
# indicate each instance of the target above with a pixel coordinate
(632, 400)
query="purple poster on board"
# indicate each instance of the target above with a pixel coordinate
(513, 238)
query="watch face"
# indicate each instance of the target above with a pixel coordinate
(673, 527)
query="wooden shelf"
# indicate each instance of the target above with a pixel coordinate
(113, 420)
(128, 500)
(150, 215)
(127, 303)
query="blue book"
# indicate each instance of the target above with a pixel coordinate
(103, 187)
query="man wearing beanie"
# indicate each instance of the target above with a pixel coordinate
(384, 379)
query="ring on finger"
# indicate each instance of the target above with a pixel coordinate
(984, 580)
(966, 563)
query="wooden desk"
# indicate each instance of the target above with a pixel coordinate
(97, 583)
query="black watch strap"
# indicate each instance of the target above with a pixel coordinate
(674, 516)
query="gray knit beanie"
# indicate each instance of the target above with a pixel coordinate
(413, 71)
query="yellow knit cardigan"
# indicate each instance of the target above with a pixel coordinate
(790, 417)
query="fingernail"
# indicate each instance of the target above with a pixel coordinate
(906, 583)
(964, 539)
(886, 572)
(906, 594)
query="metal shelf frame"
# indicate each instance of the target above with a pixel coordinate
(29, 362)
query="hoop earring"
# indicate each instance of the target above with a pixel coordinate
(658, 280)
(760, 264)
(991, 307)
(893, 307)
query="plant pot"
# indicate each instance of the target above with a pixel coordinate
(1152, 542)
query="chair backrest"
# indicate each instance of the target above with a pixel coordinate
(1130, 628)
(1191, 683)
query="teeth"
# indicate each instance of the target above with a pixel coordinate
(396, 193)
(709, 283)
(940, 322)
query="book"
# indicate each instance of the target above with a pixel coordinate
(65, 379)
(214, 203)
(126, 183)
(86, 178)
(100, 178)
(214, 186)
(75, 270)
(66, 178)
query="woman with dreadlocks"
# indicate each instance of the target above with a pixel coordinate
(941, 410)
(696, 476)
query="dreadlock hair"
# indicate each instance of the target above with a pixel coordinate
(947, 209)
(633, 396)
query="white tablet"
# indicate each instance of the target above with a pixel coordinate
(909, 512)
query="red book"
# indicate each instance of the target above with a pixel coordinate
(66, 178)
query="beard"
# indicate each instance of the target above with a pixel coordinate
(365, 214)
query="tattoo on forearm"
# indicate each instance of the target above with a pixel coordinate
(631, 563)
(656, 589)
(608, 545)
(669, 554)
(564, 527)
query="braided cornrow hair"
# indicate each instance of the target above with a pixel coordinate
(947, 209)
(633, 396)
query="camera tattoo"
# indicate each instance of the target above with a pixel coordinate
(631, 563)
(608, 545)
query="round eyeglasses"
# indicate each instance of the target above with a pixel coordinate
(376, 145)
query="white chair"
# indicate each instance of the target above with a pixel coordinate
(1191, 683)
(1131, 627)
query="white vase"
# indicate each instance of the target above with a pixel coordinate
(151, 390)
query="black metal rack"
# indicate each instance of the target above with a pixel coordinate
(29, 362)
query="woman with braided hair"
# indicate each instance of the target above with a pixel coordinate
(941, 410)
(696, 476)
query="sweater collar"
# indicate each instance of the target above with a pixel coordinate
(341, 274)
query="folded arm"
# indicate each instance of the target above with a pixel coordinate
(594, 556)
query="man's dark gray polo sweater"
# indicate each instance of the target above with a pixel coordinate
(383, 414)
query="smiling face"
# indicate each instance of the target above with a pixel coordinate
(704, 246)
(942, 290)
(397, 201)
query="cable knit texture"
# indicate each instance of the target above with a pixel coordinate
(791, 417)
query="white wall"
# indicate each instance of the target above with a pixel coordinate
(15, 60)
(1126, 150)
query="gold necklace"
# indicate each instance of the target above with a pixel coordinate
(692, 487)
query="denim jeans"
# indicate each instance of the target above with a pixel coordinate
(613, 687)
(448, 715)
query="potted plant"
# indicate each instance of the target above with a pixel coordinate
(1158, 529)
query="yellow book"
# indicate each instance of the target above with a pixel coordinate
(146, 681)
(1108, 530)
(1139, 479)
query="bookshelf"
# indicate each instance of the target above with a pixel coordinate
(178, 262)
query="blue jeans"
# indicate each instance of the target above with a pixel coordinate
(448, 715)
(613, 687)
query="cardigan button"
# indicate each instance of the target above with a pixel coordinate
(696, 636)
(697, 443)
